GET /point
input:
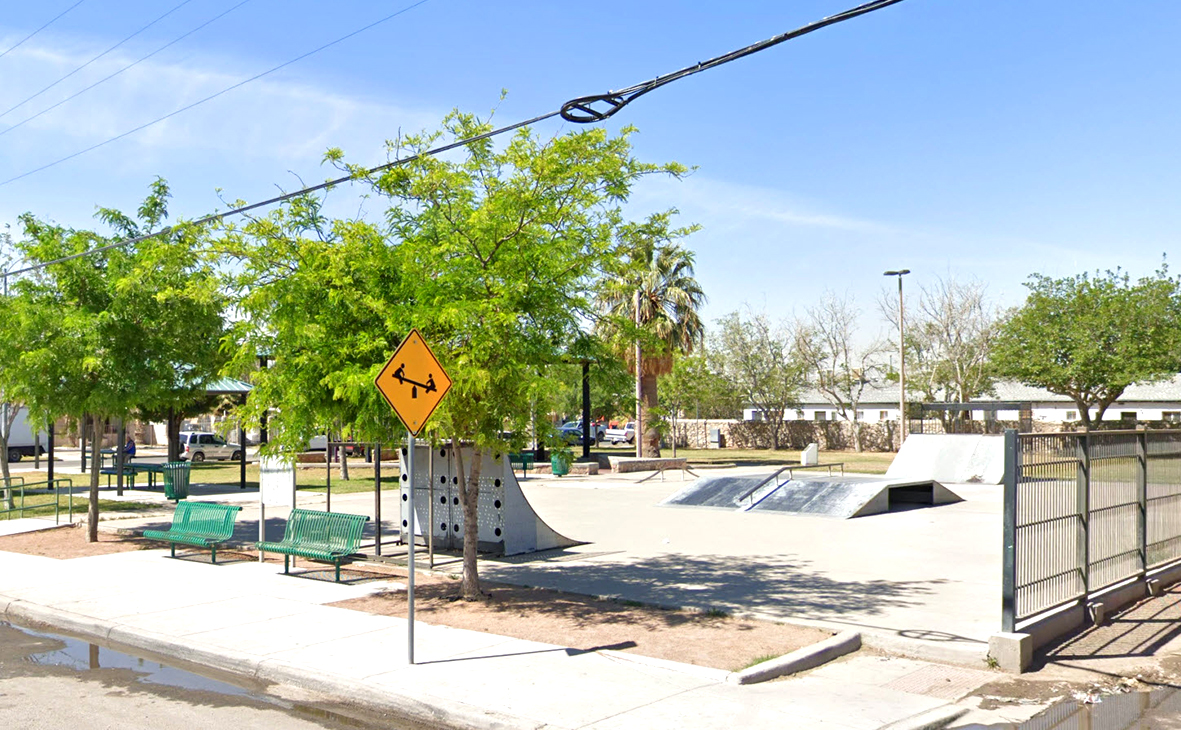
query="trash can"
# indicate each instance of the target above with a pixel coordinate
(176, 480)
(560, 463)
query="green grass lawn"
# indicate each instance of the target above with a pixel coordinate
(41, 504)
(312, 478)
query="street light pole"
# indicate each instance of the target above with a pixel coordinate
(901, 357)
(639, 387)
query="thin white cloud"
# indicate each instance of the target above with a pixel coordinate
(734, 201)
(271, 118)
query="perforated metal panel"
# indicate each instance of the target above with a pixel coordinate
(437, 501)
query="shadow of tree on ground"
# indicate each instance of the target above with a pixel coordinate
(774, 585)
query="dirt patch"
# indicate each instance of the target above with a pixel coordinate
(69, 542)
(588, 624)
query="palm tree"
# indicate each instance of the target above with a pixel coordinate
(651, 263)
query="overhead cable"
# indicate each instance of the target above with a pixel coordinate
(105, 79)
(211, 96)
(76, 70)
(584, 117)
(51, 22)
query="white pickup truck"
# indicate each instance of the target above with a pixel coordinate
(21, 441)
(627, 434)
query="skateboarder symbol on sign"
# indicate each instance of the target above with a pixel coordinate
(427, 387)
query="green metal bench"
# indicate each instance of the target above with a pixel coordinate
(327, 536)
(198, 523)
(525, 459)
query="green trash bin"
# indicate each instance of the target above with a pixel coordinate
(560, 463)
(176, 480)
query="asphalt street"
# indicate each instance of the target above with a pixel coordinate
(113, 689)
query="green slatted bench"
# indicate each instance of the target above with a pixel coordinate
(327, 536)
(202, 524)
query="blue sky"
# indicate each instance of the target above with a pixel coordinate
(984, 139)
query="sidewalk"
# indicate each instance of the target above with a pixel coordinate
(250, 619)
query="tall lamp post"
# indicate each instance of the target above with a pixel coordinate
(901, 358)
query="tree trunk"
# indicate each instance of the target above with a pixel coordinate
(5, 471)
(100, 428)
(857, 435)
(344, 459)
(469, 497)
(8, 501)
(173, 429)
(1084, 412)
(650, 443)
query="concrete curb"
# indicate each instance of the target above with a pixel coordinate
(800, 659)
(935, 719)
(402, 708)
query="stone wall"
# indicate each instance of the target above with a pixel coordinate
(830, 435)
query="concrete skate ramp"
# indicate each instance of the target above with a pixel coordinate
(837, 496)
(951, 458)
(719, 491)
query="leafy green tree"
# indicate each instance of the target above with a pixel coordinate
(696, 389)
(321, 308)
(1090, 337)
(650, 295)
(108, 333)
(493, 255)
(758, 357)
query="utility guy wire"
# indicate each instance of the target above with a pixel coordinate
(51, 22)
(199, 102)
(576, 110)
(105, 79)
(76, 70)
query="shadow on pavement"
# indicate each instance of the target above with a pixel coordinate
(777, 586)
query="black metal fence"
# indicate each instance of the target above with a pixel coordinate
(1085, 511)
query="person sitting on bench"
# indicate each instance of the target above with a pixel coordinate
(129, 449)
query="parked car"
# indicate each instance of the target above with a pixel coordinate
(627, 434)
(197, 446)
(572, 432)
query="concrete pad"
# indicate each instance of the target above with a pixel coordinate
(380, 652)
(543, 676)
(312, 625)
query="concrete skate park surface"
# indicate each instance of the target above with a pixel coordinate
(924, 581)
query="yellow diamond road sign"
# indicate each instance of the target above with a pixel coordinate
(413, 382)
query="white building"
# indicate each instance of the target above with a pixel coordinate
(1153, 402)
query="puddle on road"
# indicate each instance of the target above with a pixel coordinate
(82, 656)
(1156, 710)
(26, 651)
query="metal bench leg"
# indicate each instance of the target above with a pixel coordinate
(286, 558)
(214, 548)
(172, 547)
(337, 571)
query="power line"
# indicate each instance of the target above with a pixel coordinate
(51, 22)
(621, 99)
(63, 78)
(105, 79)
(211, 96)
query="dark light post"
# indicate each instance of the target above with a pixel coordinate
(901, 358)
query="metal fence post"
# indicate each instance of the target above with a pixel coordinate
(1142, 495)
(1083, 503)
(1009, 569)
(377, 498)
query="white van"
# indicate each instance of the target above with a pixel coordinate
(21, 442)
(197, 446)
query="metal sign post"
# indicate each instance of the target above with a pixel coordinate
(410, 530)
(413, 383)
